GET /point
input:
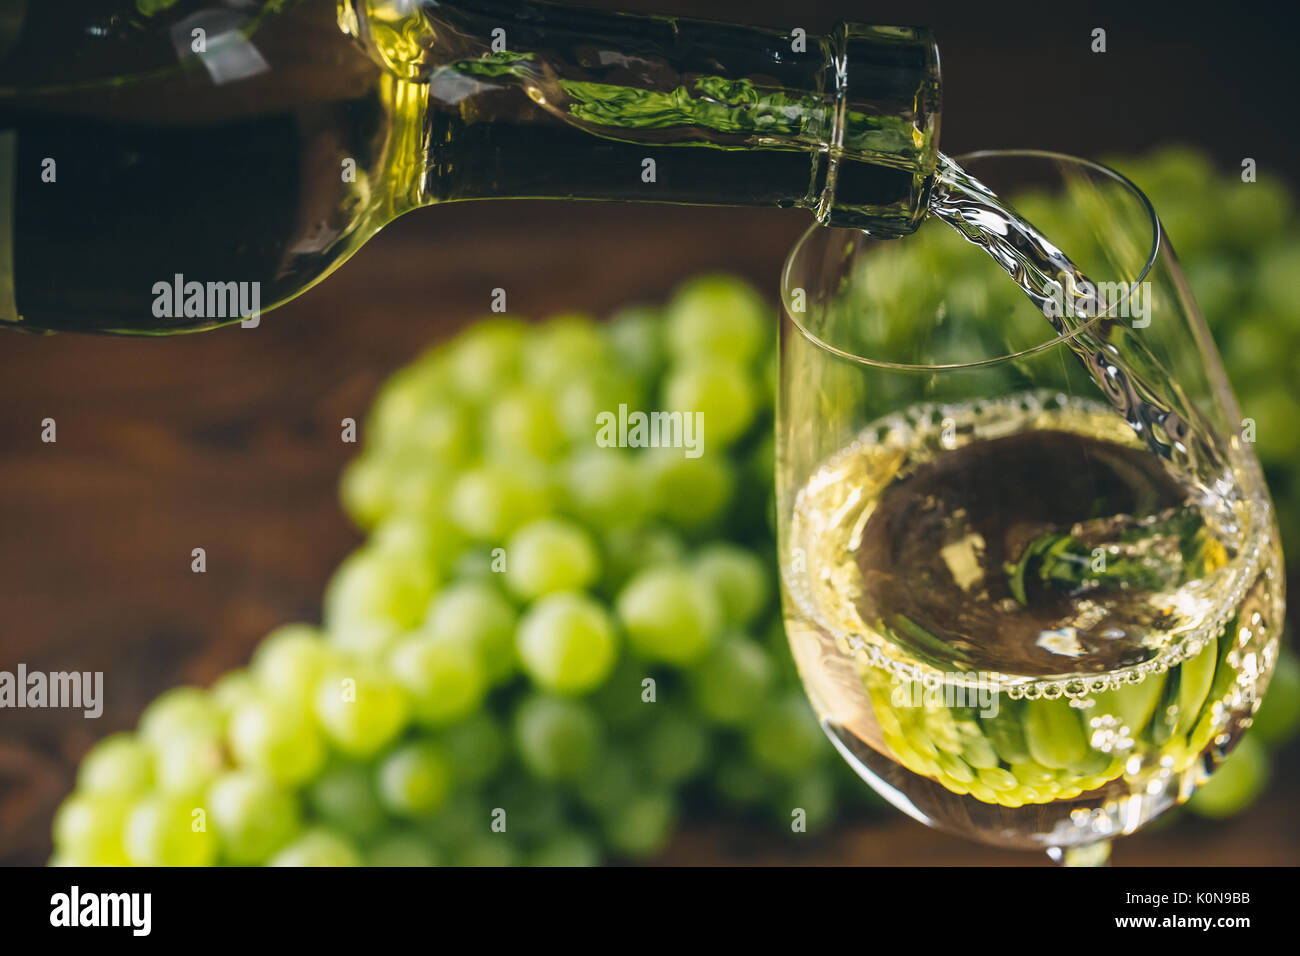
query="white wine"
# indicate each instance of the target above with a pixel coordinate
(1020, 623)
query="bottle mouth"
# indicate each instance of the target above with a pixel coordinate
(825, 254)
(886, 92)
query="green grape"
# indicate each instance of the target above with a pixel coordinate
(253, 817)
(814, 794)
(524, 421)
(731, 682)
(669, 614)
(721, 392)
(318, 847)
(487, 356)
(1274, 281)
(642, 825)
(477, 614)
(566, 848)
(675, 748)
(384, 590)
(557, 738)
(418, 486)
(344, 797)
(233, 689)
(1251, 215)
(1216, 287)
(365, 491)
(415, 779)
(739, 578)
(1032, 774)
(401, 848)
(385, 585)
(490, 851)
(532, 808)
(786, 738)
(445, 543)
(999, 779)
(566, 643)
(465, 815)
(1054, 733)
(88, 830)
(689, 492)
(1275, 411)
(777, 644)
(1007, 734)
(1242, 777)
(442, 677)
(398, 406)
(406, 534)
(118, 766)
(476, 747)
(1279, 714)
(168, 831)
(621, 700)
(493, 499)
(1170, 177)
(609, 782)
(636, 336)
(479, 565)
(1181, 170)
(718, 316)
(1133, 704)
(289, 661)
(605, 488)
(442, 433)
(185, 763)
(632, 549)
(1195, 677)
(1257, 349)
(178, 710)
(563, 347)
(547, 555)
(977, 751)
(582, 402)
(360, 710)
(278, 738)
(740, 783)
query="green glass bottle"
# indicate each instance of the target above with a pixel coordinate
(174, 166)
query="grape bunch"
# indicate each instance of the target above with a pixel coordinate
(545, 649)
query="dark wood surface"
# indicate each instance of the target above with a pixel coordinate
(229, 440)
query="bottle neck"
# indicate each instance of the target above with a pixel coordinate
(543, 100)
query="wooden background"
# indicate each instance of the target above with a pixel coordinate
(229, 440)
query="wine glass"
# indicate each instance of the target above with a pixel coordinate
(1031, 574)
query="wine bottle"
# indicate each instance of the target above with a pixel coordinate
(175, 166)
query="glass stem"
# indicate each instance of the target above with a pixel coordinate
(1085, 854)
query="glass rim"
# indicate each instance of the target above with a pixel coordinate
(1054, 342)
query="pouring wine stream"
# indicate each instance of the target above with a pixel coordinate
(1172, 429)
